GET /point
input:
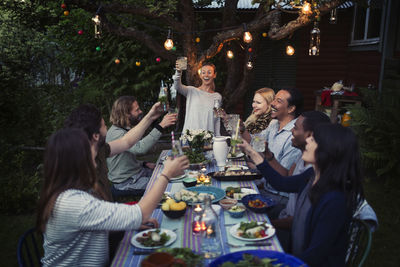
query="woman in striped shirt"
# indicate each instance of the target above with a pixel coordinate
(72, 214)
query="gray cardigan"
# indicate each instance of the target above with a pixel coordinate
(124, 165)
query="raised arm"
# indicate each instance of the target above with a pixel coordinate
(282, 183)
(136, 133)
(183, 89)
(150, 200)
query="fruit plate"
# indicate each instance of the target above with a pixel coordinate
(270, 231)
(171, 234)
(278, 257)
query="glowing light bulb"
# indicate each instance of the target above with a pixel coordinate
(168, 44)
(229, 54)
(290, 50)
(306, 9)
(247, 37)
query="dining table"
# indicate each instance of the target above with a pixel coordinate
(129, 255)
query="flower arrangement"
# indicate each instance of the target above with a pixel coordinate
(196, 139)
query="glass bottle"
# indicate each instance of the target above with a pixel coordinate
(176, 147)
(163, 96)
(210, 234)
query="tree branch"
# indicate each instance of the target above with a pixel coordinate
(128, 9)
(301, 21)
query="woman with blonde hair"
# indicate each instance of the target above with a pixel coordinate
(260, 117)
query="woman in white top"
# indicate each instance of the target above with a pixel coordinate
(200, 100)
(72, 214)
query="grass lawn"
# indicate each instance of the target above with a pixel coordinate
(385, 244)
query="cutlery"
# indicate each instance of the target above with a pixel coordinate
(250, 245)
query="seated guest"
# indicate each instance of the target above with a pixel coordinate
(124, 170)
(303, 128)
(260, 118)
(72, 213)
(285, 109)
(329, 193)
(88, 118)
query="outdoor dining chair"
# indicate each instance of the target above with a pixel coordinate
(359, 243)
(30, 249)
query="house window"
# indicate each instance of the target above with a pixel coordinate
(367, 23)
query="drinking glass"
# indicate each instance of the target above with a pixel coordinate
(182, 63)
(217, 108)
(258, 141)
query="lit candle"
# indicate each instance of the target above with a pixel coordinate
(198, 208)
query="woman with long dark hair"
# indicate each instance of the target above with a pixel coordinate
(329, 194)
(72, 214)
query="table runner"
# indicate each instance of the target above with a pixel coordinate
(185, 238)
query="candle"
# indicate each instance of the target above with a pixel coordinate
(198, 208)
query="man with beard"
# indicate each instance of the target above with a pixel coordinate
(124, 170)
(88, 118)
(280, 154)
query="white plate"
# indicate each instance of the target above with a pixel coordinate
(237, 156)
(168, 232)
(269, 232)
(178, 178)
(235, 168)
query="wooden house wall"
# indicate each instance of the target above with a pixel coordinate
(337, 60)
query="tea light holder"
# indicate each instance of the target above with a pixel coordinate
(198, 225)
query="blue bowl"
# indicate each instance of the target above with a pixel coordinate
(268, 201)
(279, 257)
(237, 214)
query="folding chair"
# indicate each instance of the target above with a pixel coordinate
(30, 249)
(359, 243)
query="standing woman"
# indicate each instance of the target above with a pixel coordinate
(200, 100)
(329, 194)
(260, 118)
(72, 214)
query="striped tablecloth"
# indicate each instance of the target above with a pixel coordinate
(185, 238)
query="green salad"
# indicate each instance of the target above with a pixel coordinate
(153, 238)
(253, 261)
(190, 258)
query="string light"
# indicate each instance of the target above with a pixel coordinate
(306, 9)
(66, 13)
(138, 63)
(290, 50)
(315, 40)
(117, 61)
(229, 54)
(247, 37)
(333, 18)
(169, 44)
(264, 34)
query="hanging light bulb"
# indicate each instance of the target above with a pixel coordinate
(247, 37)
(97, 26)
(333, 18)
(249, 65)
(306, 9)
(290, 50)
(315, 40)
(229, 54)
(169, 44)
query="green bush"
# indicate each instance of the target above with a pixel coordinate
(20, 181)
(377, 125)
